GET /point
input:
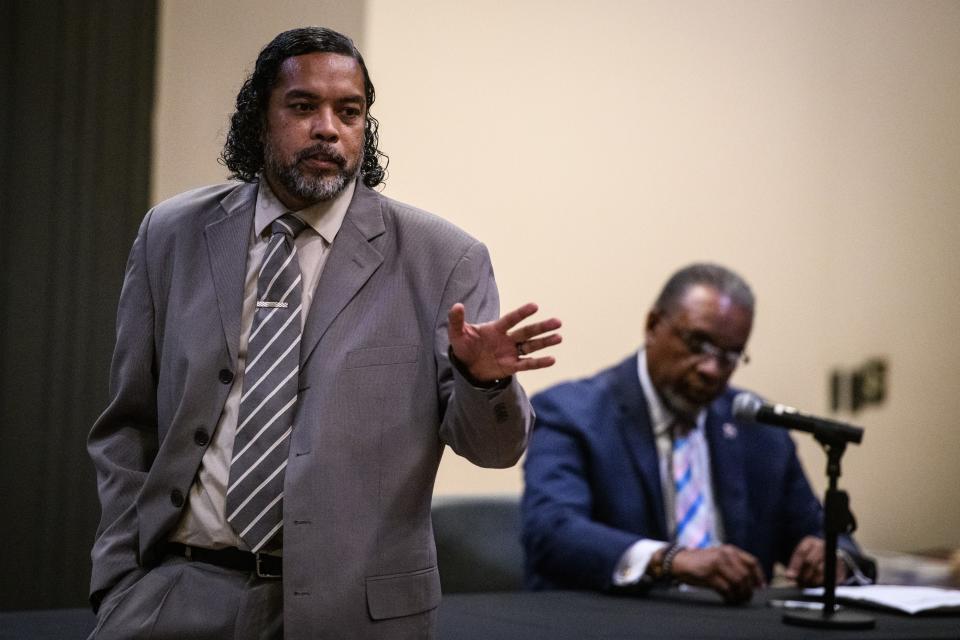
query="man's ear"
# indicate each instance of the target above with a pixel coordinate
(263, 129)
(654, 317)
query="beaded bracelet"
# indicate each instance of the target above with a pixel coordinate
(666, 566)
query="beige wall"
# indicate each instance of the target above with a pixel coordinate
(596, 146)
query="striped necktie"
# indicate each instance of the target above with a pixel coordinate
(268, 399)
(694, 518)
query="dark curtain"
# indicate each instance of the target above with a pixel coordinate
(77, 93)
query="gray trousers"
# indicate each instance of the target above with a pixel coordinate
(185, 599)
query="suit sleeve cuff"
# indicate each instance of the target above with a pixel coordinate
(490, 387)
(855, 577)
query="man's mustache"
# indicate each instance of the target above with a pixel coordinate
(322, 151)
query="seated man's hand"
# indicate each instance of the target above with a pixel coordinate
(728, 570)
(806, 564)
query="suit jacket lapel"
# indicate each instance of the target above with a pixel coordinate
(729, 481)
(352, 260)
(637, 433)
(228, 243)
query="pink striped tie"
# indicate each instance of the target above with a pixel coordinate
(694, 518)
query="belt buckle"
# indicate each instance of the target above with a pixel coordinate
(260, 572)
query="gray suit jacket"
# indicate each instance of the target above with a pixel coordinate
(378, 402)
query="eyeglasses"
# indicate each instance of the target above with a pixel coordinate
(701, 347)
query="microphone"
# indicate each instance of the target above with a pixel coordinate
(749, 408)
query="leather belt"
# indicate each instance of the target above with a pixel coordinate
(263, 564)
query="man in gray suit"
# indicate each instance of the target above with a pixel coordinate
(389, 372)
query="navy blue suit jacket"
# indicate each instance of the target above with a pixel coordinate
(593, 482)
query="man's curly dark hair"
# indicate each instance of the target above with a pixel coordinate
(243, 151)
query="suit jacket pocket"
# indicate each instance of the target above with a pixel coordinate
(403, 594)
(374, 356)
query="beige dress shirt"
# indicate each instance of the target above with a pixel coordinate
(204, 522)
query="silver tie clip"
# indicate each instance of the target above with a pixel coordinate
(266, 304)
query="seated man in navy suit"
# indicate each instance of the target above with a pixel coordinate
(640, 474)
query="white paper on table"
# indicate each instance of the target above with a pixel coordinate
(907, 599)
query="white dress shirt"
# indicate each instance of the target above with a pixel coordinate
(633, 563)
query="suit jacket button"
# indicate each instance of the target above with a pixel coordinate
(226, 376)
(176, 497)
(201, 437)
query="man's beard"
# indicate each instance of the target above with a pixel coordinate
(679, 406)
(305, 186)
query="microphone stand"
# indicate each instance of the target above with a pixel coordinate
(837, 519)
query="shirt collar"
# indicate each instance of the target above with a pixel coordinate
(324, 217)
(660, 416)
